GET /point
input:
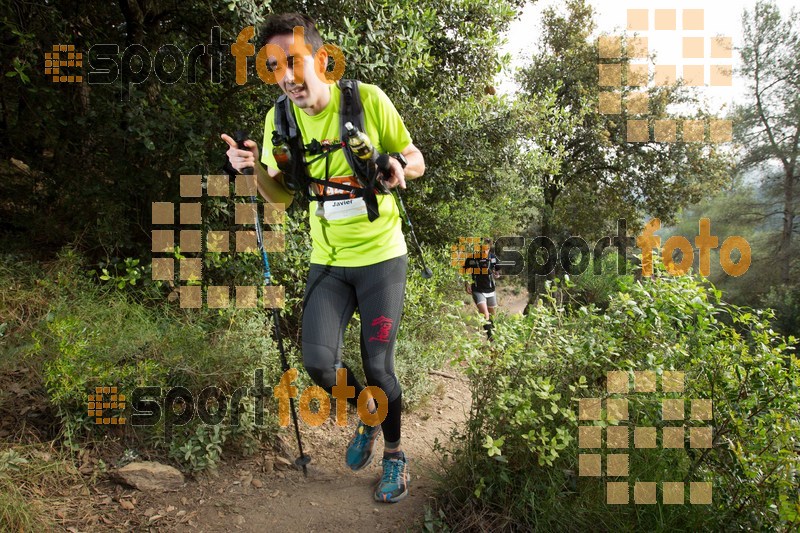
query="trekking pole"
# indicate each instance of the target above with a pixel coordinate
(303, 460)
(427, 273)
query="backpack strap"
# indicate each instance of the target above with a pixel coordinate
(351, 110)
(285, 123)
(286, 130)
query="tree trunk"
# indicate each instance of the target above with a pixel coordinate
(785, 246)
(536, 283)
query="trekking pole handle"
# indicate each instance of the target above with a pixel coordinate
(240, 137)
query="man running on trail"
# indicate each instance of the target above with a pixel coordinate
(484, 269)
(357, 261)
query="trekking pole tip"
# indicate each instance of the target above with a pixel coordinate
(303, 461)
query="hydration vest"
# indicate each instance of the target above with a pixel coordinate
(296, 175)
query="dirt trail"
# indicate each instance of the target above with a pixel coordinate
(511, 303)
(265, 493)
(246, 496)
(332, 497)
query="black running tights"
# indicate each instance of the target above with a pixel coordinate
(332, 295)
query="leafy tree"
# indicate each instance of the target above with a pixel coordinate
(768, 126)
(97, 154)
(603, 177)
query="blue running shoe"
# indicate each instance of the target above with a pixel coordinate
(362, 446)
(393, 486)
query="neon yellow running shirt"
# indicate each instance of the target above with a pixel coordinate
(344, 236)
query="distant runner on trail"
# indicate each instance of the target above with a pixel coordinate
(359, 257)
(484, 271)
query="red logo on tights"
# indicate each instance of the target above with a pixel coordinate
(384, 329)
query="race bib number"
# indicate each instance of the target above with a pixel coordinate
(339, 209)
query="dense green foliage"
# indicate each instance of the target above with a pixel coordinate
(516, 462)
(90, 158)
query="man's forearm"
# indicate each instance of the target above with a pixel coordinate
(415, 167)
(415, 162)
(270, 188)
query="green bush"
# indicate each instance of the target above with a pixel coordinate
(107, 340)
(81, 336)
(516, 464)
(598, 288)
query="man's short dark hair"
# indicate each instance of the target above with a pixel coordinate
(284, 23)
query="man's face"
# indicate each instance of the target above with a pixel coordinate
(312, 95)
